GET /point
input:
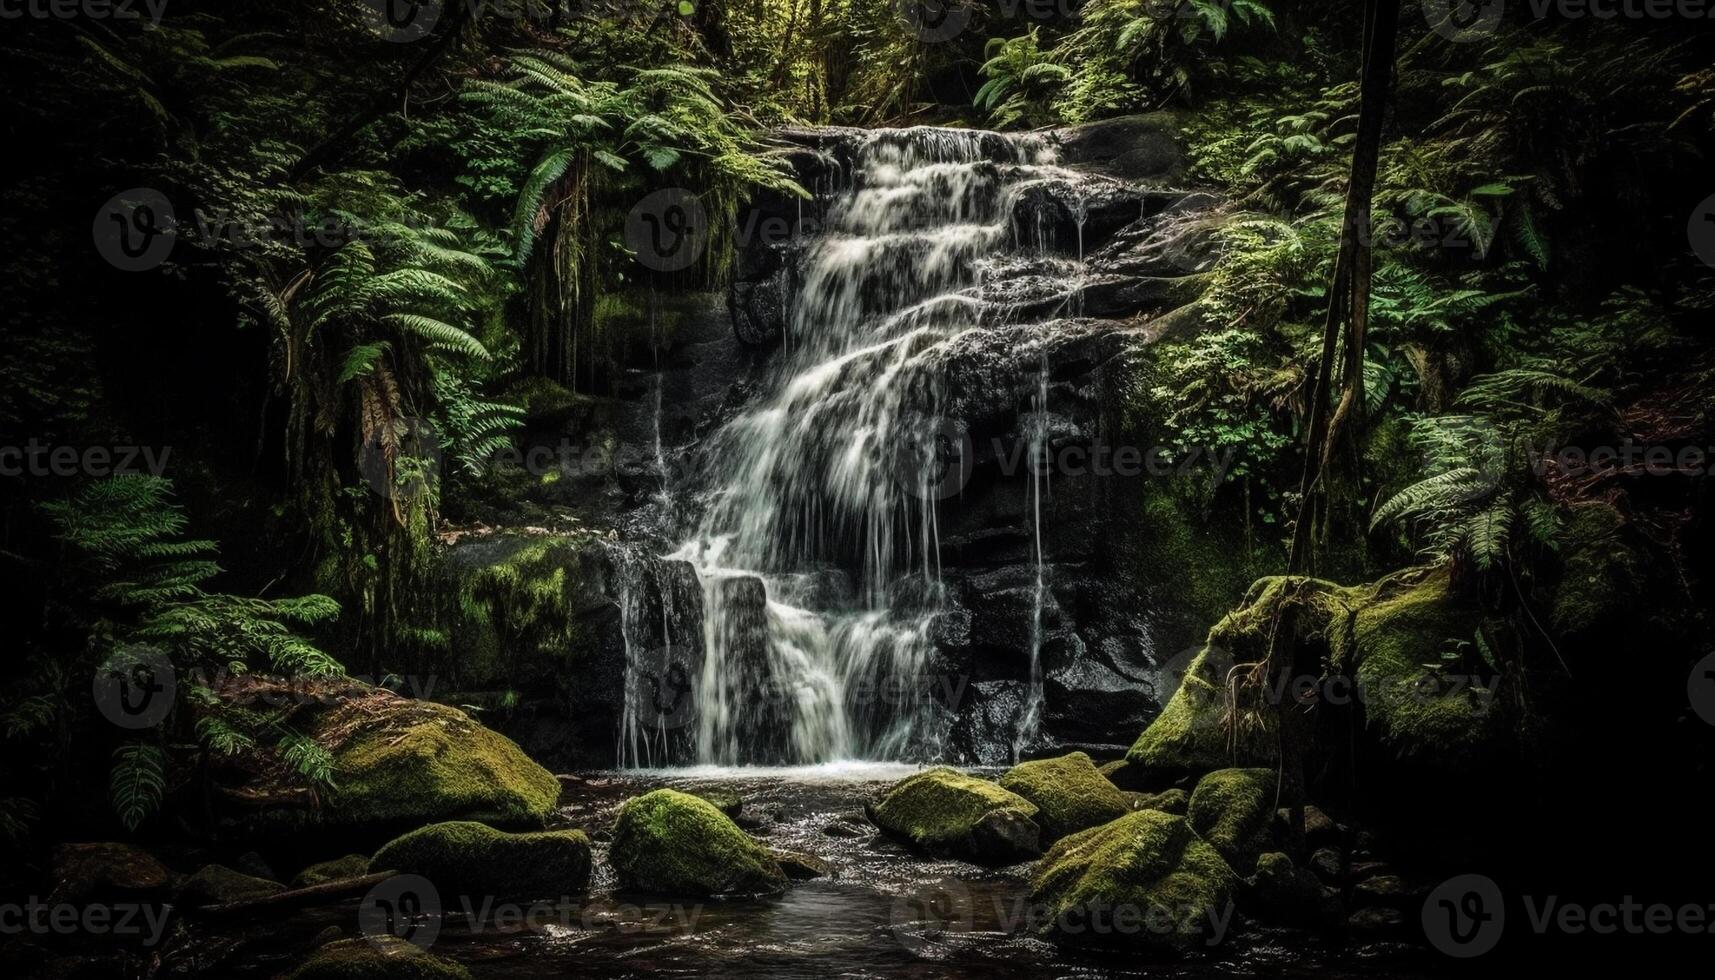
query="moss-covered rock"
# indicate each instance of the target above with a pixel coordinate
(1282, 892)
(1412, 707)
(106, 871)
(467, 858)
(322, 872)
(517, 602)
(217, 884)
(1190, 735)
(386, 959)
(672, 843)
(1233, 809)
(1146, 875)
(402, 761)
(943, 811)
(1069, 792)
(800, 866)
(1175, 801)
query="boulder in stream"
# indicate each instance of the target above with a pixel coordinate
(672, 843)
(405, 761)
(217, 884)
(382, 958)
(106, 871)
(338, 869)
(467, 858)
(1143, 881)
(1070, 794)
(1233, 809)
(943, 811)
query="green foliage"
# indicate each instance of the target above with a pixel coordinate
(1225, 394)
(1481, 498)
(1128, 55)
(138, 782)
(140, 585)
(1021, 81)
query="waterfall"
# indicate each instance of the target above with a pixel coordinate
(817, 546)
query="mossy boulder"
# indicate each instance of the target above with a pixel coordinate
(217, 884)
(467, 858)
(1175, 801)
(338, 869)
(397, 760)
(386, 959)
(1414, 708)
(672, 843)
(1070, 794)
(1283, 892)
(1144, 881)
(1190, 736)
(1233, 809)
(106, 871)
(945, 812)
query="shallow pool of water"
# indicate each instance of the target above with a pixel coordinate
(884, 912)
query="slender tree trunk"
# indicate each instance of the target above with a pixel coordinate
(1348, 293)
(1348, 307)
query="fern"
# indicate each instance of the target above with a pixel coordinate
(138, 783)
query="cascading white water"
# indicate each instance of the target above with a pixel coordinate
(1039, 476)
(818, 548)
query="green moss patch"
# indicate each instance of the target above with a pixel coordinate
(467, 858)
(943, 811)
(413, 761)
(1412, 705)
(1146, 876)
(1192, 734)
(387, 959)
(217, 884)
(672, 843)
(1070, 794)
(339, 869)
(1233, 809)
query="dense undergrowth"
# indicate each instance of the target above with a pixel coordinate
(382, 242)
